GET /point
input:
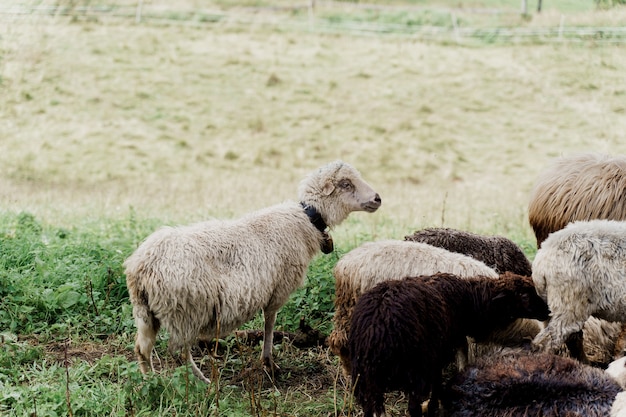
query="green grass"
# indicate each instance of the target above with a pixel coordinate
(67, 335)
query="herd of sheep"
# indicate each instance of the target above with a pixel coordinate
(463, 324)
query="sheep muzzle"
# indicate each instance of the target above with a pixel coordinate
(372, 205)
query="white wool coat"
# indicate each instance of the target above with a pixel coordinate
(581, 271)
(188, 275)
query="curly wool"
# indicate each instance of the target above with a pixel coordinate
(404, 332)
(524, 384)
(373, 262)
(497, 252)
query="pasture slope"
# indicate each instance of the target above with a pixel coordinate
(114, 122)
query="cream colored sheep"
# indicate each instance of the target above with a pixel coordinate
(600, 341)
(581, 272)
(577, 187)
(209, 278)
(373, 262)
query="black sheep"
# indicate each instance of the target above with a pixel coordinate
(405, 332)
(496, 252)
(525, 384)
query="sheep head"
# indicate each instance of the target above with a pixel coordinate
(508, 298)
(516, 297)
(336, 190)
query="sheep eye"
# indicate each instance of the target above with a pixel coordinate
(345, 184)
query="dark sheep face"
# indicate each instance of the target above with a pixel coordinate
(507, 305)
(522, 301)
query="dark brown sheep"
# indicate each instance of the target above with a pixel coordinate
(496, 252)
(403, 333)
(524, 384)
(362, 268)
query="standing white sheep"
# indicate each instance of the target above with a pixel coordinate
(209, 278)
(581, 271)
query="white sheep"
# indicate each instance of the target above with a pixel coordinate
(617, 371)
(580, 271)
(209, 278)
(374, 262)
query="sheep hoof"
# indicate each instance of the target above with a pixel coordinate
(270, 367)
(201, 376)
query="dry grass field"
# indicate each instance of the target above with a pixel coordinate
(185, 121)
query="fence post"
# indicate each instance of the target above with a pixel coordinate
(561, 27)
(311, 7)
(138, 11)
(455, 27)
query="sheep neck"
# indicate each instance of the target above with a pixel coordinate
(316, 219)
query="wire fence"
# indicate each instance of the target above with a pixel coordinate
(305, 17)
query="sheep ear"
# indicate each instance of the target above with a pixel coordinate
(501, 303)
(499, 296)
(329, 187)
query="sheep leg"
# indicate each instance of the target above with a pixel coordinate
(147, 328)
(462, 354)
(415, 406)
(268, 339)
(435, 395)
(374, 405)
(186, 355)
(557, 334)
(574, 343)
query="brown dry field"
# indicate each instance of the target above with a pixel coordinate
(187, 121)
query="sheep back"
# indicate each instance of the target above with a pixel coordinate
(580, 187)
(497, 252)
(527, 384)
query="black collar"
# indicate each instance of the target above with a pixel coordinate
(315, 217)
(326, 244)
